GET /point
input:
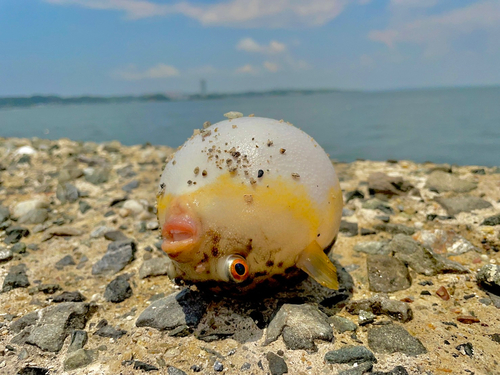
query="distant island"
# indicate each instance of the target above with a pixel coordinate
(35, 100)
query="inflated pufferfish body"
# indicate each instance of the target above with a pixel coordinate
(248, 200)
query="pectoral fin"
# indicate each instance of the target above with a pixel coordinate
(316, 264)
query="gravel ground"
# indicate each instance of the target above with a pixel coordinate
(84, 290)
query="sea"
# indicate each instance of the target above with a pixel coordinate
(456, 126)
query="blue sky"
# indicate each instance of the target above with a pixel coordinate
(108, 47)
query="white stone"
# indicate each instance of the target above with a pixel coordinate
(25, 150)
(133, 206)
(23, 208)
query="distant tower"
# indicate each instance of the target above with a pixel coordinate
(203, 87)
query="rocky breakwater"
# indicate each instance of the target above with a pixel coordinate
(84, 290)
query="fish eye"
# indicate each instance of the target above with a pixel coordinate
(238, 269)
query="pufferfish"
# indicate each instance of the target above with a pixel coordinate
(247, 202)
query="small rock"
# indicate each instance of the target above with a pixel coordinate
(218, 366)
(79, 358)
(98, 176)
(355, 194)
(23, 208)
(5, 255)
(372, 247)
(446, 242)
(171, 370)
(350, 355)
(343, 324)
(99, 231)
(491, 220)
(245, 366)
(133, 206)
(397, 310)
(78, 340)
(63, 231)
(18, 248)
(277, 365)
(29, 370)
(115, 235)
(443, 293)
(69, 297)
(23, 322)
(181, 331)
(360, 369)
(4, 213)
(394, 338)
(154, 267)
(299, 325)
(131, 186)
(349, 229)
(35, 216)
(152, 225)
(468, 319)
(380, 183)
(16, 278)
(118, 255)
(118, 290)
(66, 261)
(183, 308)
(365, 317)
(387, 274)
(67, 193)
(138, 365)
(463, 203)
(421, 259)
(108, 331)
(466, 349)
(489, 278)
(83, 206)
(195, 368)
(440, 182)
(496, 337)
(394, 229)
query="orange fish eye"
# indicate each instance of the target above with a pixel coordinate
(238, 270)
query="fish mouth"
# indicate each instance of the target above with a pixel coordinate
(180, 235)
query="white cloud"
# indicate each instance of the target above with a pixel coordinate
(235, 13)
(156, 72)
(247, 69)
(272, 67)
(435, 32)
(250, 45)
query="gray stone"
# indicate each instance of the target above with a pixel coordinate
(5, 255)
(34, 216)
(387, 274)
(171, 370)
(154, 267)
(109, 331)
(394, 228)
(373, 204)
(277, 365)
(98, 176)
(75, 296)
(464, 203)
(350, 355)
(19, 248)
(343, 324)
(78, 359)
(372, 247)
(380, 183)
(62, 231)
(66, 261)
(442, 181)
(365, 317)
(360, 369)
(99, 231)
(183, 308)
(348, 229)
(78, 340)
(218, 366)
(492, 220)
(118, 290)
(139, 365)
(489, 277)
(446, 242)
(421, 259)
(67, 193)
(394, 338)
(115, 235)
(299, 325)
(24, 321)
(118, 255)
(83, 206)
(69, 173)
(22, 208)
(16, 278)
(4, 213)
(397, 310)
(134, 184)
(56, 323)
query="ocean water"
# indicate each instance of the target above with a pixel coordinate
(456, 126)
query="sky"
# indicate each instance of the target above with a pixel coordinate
(115, 47)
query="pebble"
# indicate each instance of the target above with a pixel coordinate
(152, 225)
(62, 231)
(78, 340)
(380, 183)
(398, 370)
(67, 193)
(4, 213)
(489, 278)
(277, 365)
(441, 182)
(218, 366)
(16, 278)
(133, 206)
(491, 220)
(468, 319)
(372, 247)
(118, 290)
(99, 231)
(66, 261)
(154, 267)
(83, 206)
(139, 365)
(24, 321)
(97, 176)
(342, 324)
(35, 216)
(463, 203)
(387, 274)
(22, 208)
(118, 255)
(115, 235)
(56, 323)
(350, 355)
(182, 308)
(69, 297)
(358, 369)
(19, 248)
(299, 325)
(443, 293)
(366, 317)
(446, 242)
(397, 310)
(5, 255)
(421, 259)
(394, 338)
(394, 229)
(105, 330)
(348, 229)
(134, 184)
(78, 359)
(466, 349)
